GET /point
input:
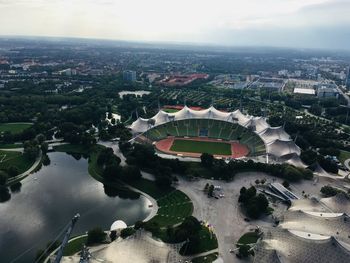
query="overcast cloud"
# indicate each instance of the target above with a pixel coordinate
(289, 23)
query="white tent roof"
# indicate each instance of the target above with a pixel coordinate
(280, 148)
(276, 140)
(140, 125)
(241, 118)
(271, 134)
(160, 118)
(259, 124)
(117, 225)
(295, 160)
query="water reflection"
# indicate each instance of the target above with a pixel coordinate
(46, 201)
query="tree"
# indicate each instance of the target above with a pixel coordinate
(329, 191)
(131, 173)
(207, 160)
(244, 251)
(285, 184)
(3, 177)
(124, 233)
(44, 147)
(12, 171)
(4, 193)
(211, 190)
(96, 235)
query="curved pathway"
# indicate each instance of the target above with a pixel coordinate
(26, 173)
(347, 163)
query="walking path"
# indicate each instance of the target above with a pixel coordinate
(26, 173)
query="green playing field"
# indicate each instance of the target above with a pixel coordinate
(14, 127)
(219, 148)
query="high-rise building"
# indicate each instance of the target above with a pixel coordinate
(129, 75)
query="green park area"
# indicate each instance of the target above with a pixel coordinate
(344, 155)
(205, 259)
(14, 128)
(74, 246)
(190, 146)
(173, 209)
(14, 159)
(248, 238)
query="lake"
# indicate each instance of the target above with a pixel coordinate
(49, 199)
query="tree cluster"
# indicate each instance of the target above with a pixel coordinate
(254, 205)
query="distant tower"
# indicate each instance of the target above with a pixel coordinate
(129, 75)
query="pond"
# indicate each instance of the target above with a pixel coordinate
(48, 199)
(136, 93)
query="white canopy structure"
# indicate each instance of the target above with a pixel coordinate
(294, 159)
(281, 148)
(271, 134)
(118, 225)
(277, 141)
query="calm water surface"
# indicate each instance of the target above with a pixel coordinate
(48, 200)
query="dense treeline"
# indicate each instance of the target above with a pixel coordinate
(254, 204)
(144, 157)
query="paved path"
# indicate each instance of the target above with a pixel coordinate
(116, 150)
(347, 163)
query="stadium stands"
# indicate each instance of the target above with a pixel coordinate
(208, 128)
(254, 132)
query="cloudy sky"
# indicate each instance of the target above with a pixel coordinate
(285, 23)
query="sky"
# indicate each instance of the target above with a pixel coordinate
(280, 23)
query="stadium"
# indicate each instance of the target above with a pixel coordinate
(234, 135)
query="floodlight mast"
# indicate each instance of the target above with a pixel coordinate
(66, 238)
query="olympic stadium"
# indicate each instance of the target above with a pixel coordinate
(235, 135)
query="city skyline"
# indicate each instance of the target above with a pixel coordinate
(275, 23)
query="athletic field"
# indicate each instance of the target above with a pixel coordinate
(195, 146)
(191, 146)
(14, 127)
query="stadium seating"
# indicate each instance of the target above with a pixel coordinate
(208, 128)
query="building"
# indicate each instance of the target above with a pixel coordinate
(327, 90)
(129, 75)
(304, 91)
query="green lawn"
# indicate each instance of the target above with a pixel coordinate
(343, 156)
(170, 110)
(11, 146)
(16, 159)
(173, 209)
(14, 127)
(205, 259)
(150, 188)
(74, 246)
(207, 242)
(189, 146)
(248, 238)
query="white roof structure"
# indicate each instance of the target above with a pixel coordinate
(140, 125)
(271, 134)
(118, 225)
(281, 148)
(295, 160)
(259, 124)
(277, 141)
(311, 230)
